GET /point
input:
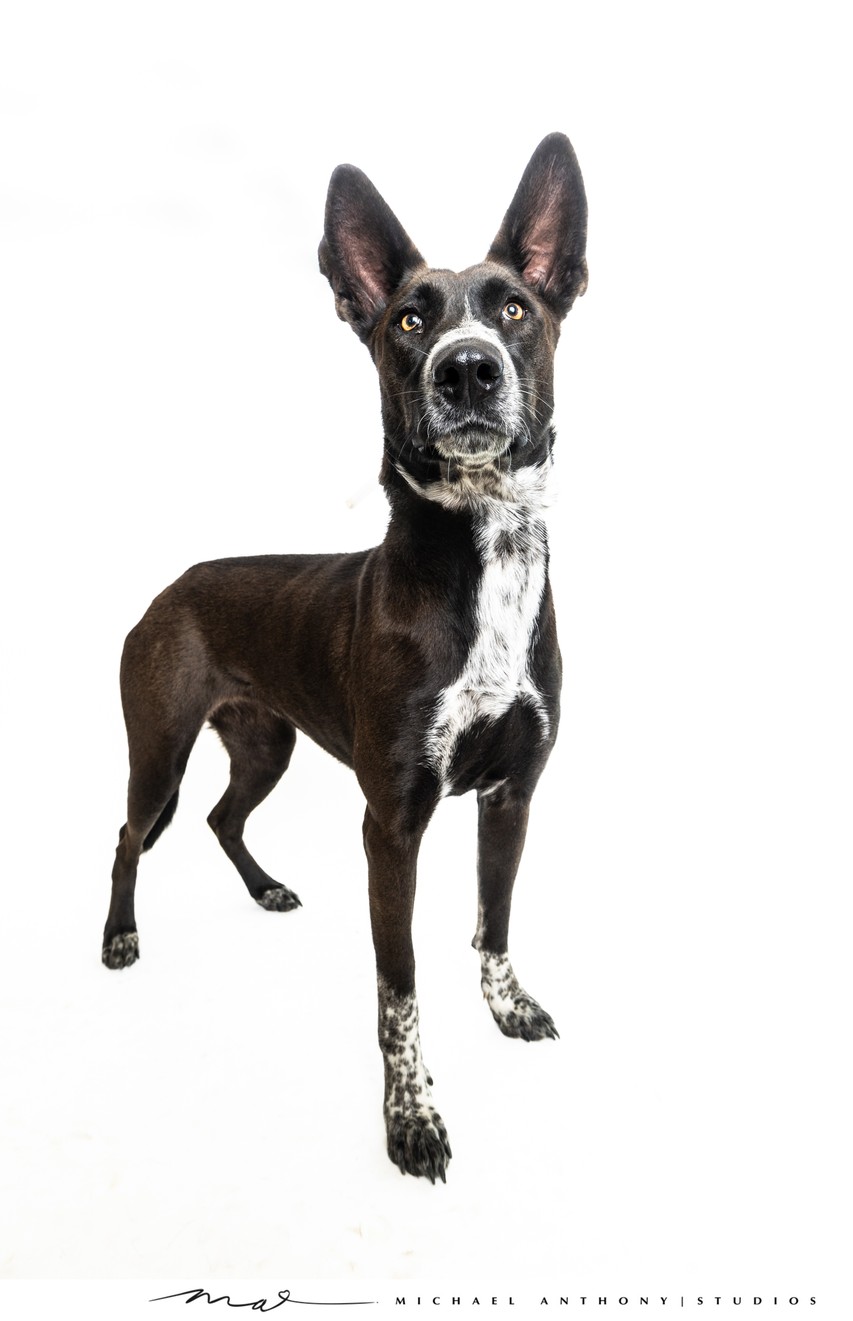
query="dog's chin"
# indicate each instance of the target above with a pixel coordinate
(472, 449)
(473, 462)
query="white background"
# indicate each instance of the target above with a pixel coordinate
(176, 387)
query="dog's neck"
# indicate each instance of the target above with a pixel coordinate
(454, 524)
(490, 491)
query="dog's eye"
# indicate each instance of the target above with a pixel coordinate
(513, 311)
(410, 321)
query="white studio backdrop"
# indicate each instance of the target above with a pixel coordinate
(177, 387)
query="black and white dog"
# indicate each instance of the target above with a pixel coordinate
(429, 664)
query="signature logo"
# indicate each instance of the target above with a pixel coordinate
(260, 1304)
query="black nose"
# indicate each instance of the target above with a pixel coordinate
(466, 372)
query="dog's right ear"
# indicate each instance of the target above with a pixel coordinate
(365, 253)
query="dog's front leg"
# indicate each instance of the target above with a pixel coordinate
(417, 1138)
(502, 827)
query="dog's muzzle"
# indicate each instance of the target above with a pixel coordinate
(472, 398)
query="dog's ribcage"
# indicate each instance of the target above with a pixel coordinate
(511, 541)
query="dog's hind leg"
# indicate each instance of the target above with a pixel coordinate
(503, 814)
(155, 776)
(167, 688)
(260, 744)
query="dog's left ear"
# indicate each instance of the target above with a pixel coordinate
(365, 253)
(543, 235)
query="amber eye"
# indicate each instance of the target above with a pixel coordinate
(513, 311)
(410, 321)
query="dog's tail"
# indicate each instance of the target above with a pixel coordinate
(163, 820)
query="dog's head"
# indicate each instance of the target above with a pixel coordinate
(465, 360)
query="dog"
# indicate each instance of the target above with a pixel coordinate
(428, 664)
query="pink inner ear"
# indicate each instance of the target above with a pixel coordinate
(542, 241)
(536, 271)
(367, 271)
(372, 285)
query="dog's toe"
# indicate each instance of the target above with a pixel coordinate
(527, 1020)
(418, 1145)
(278, 899)
(121, 951)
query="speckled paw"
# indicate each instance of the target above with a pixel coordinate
(527, 1020)
(516, 1013)
(417, 1144)
(122, 951)
(278, 899)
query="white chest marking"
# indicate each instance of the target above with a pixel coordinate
(513, 549)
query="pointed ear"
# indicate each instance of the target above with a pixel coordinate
(543, 235)
(365, 253)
